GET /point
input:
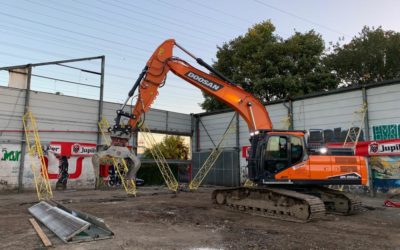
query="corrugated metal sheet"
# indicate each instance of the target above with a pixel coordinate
(328, 111)
(383, 106)
(215, 126)
(225, 172)
(57, 112)
(11, 111)
(61, 223)
(66, 113)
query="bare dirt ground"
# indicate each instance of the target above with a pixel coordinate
(157, 219)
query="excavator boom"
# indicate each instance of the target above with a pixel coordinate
(162, 61)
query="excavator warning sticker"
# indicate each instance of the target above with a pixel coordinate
(354, 176)
(298, 166)
(204, 81)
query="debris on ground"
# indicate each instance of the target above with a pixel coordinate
(191, 221)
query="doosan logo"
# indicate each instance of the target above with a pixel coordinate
(376, 148)
(205, 82)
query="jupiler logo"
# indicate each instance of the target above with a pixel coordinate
(373, 147)
(376, 148)
(75, 148)
(79, 149)
(205, 82)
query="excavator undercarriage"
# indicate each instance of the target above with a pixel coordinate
(298, 204)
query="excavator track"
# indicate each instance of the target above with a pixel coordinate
(274, 203)
(336, 202)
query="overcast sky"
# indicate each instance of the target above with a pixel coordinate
(127, 32)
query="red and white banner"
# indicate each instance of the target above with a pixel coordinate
(245, 151)
(380, 148)
(73, 148)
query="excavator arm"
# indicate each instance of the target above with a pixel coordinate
(162, 61)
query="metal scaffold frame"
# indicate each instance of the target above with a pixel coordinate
(356, 126)
(34, 148)
(159, 158)
(212, 158)
(129, 185)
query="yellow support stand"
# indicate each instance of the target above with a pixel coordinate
(249, 183)
(212, 158)
(34, 148)
(162, 164)
(357, 124)
(129, 185)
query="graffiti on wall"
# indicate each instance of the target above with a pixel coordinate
(322, 136)
(386, 169)
(385, 172)
(386, 132)
(80, 170)
(10, 155)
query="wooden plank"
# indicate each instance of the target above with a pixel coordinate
(40, 232)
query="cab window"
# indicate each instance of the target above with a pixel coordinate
(296, 149)
(277, 147)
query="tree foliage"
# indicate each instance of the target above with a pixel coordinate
(372, 56)
(271, 67)
(172, 147)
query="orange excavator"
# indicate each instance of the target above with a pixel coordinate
(290, 180)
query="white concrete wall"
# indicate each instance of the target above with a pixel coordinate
(80, 171)
(10, 156)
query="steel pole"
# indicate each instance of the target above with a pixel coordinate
(367, 138)
(23, 142)
(103, 59)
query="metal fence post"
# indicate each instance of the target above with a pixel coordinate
(238, 146)
(367, 138)
(291, 125)
(103, 59)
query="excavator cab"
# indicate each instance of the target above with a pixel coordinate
(274, 152)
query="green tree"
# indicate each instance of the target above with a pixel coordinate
(372, 56)
(172, 147)
(271, 67)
